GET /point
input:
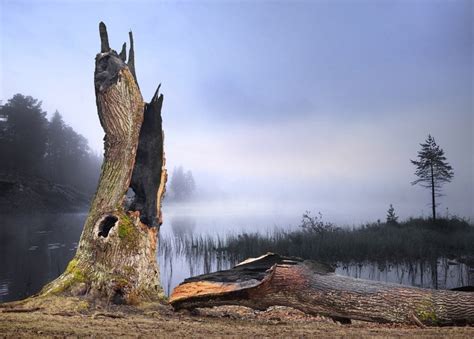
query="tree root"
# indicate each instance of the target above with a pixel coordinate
(21, 310)
(109, 315)
(417, 321)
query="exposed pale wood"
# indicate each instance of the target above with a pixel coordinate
(314, 288)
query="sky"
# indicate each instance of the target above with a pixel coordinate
(314, 104)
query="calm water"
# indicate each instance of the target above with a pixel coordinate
(36, 249)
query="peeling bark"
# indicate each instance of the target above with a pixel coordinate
(116, 256)
(314, 288)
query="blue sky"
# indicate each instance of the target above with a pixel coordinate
(320, 102)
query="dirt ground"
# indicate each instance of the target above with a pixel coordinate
(61, 319)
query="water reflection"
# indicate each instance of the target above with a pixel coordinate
(182, 257)
(35, 249)
(183, 226)
(441, 274)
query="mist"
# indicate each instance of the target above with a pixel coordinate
(301, 106)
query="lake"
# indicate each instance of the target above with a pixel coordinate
(36, 249)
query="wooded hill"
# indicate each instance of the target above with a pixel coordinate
(44, 164)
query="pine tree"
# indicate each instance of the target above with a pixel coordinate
(182, 185)
(432, 170)
(23, 135)
(55, 148)
(392, 218)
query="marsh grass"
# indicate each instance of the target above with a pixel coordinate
(415, 239)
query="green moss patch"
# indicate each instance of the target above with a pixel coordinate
(73, 275)
(127, 231)
(71, 266)
(427, 313)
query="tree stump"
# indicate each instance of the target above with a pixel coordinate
(314, 288)
(116, 255)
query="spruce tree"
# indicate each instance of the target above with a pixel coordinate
(432, 170)
(392, 218)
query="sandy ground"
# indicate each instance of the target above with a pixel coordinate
(161, 320)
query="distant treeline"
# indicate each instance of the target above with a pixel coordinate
(32, 146)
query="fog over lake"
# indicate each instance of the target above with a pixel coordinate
(291, 105)
(34, 249)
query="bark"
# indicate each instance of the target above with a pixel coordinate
(314, 288)
(116, 256)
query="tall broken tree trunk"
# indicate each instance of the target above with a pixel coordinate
(314, 288)
(116, 256)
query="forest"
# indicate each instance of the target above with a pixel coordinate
(33, 146)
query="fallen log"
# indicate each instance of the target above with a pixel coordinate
(314, 288)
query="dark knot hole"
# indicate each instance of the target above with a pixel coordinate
(118, 297)
(106, 224)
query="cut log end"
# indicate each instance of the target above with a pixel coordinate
(248, 274)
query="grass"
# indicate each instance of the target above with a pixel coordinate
(414, 239)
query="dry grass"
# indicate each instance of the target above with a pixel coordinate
(58, 317)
